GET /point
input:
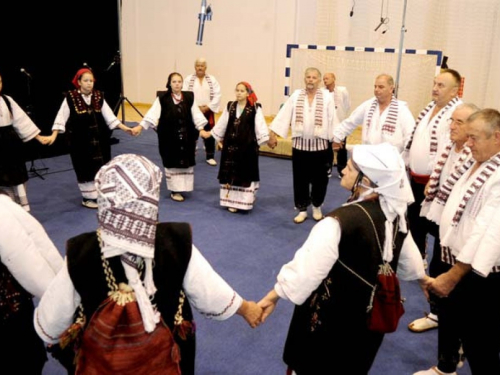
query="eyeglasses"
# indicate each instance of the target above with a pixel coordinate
(457, 122)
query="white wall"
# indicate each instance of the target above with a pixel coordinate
(246, 40)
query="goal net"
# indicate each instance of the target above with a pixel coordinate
(357, 67)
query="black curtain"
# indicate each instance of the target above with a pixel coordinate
(51, 43)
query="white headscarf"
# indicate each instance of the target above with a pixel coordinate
(128, 189)
(384, 166)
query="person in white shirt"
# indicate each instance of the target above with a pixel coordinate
(329, 320)
(455, 154)
(207, 95)
(342, 103)
(178, 122)
(428, 140)
(310, 113)
(470, 240)
(87, 120)
(158, 261)
(16, 128)
(29, 262)
(383, 118)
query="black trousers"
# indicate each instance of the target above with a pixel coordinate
(342, 157)
(310, 177)
(209, 144)
(472, 312)
(419, 226)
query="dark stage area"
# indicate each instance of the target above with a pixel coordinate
(44, 44)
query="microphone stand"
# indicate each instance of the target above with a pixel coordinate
(29, 112)
(117, 60)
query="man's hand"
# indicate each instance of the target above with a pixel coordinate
(444, 284)
(426, 188)
(337, 145)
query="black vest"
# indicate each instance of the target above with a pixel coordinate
(332, 321)
(172, 254)
(177, 134)
(240, 152)
(87, 135)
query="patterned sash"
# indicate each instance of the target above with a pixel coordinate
(318, 114)
(436, 173)
(435, 123)
(444, 192)
(209, 81)
(389, 126)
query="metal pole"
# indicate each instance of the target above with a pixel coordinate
(123, 98)
(401, 39)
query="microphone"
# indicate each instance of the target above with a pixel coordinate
(204, 15)
(115, 60)
(380, 24)
(26, 73)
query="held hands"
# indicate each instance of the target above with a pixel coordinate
(268, 304)
(257, 313)
(136, 130)
(44, 140)
(273, 140)
(126, 129)
(337, 145)
(51, 138)
(251, 312)
(205, 134)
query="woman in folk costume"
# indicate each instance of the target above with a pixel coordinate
(242, 129)
(29, 261)
(329, 324)
(16, 128)
(129, 238)
(177, 119)
(87, 120)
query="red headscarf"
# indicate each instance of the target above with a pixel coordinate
(79, 74)
(252, 98)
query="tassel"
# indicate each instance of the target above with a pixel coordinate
(72, 334)
(184, 329)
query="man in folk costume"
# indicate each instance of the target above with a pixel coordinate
(329, 323)
(342, 103)
(428, 140)
(311, 114)
(130, 240)
(207, 97)
(468, 229)
(454, 155)
(383, 118)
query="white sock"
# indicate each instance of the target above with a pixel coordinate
(432, 317)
